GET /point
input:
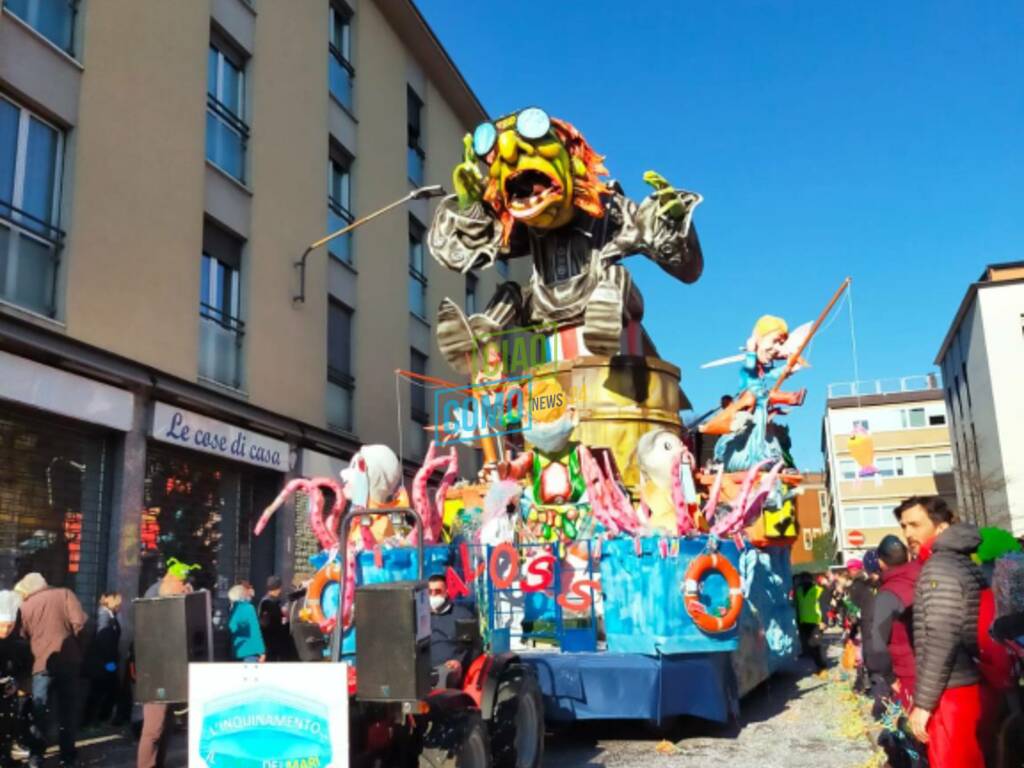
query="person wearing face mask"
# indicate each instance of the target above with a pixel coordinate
(448, 655)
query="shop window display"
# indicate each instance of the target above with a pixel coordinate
(53, 493)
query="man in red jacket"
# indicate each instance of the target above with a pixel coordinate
(888, 645)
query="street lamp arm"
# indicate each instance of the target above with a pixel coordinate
(421, 193)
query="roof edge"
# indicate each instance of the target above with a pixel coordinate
(965, 305)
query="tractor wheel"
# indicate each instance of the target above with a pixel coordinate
(459, 740)
(517, 729)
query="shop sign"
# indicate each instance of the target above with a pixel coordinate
(268, 715)
(77, 397)
(200, 433)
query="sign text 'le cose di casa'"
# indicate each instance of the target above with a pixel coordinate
(178, 426)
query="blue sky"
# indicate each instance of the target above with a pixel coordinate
(828, 139)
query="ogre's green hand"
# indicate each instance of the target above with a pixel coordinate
(466, 178)
(671, 202)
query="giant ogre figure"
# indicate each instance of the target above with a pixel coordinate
(544, 198)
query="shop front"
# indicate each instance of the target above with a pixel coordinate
(206, 483)
(58, 432)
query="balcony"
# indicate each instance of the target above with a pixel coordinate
(220, 347)
(339, 77)
(921, 383)
(417, 160)
(226, 139)
(340, 390)
(29, 258)
(338, 217)
(53, 19)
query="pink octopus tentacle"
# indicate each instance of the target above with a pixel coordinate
(711, 507)
(621, 504)
(433, 533)
(298, 484)
(597, 492)
(684, 520)
(338, 508)
(421, 501)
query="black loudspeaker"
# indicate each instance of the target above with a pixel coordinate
(393, 644)
(170, 632)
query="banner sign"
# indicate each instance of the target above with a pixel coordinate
(278, 715)
(200, 433)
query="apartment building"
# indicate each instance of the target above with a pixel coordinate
(811, 517)
(162, 370)
(982, 362)
(906, 422)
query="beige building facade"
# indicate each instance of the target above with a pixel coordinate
(162, 168)
(906, 422)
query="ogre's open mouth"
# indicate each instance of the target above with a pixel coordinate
(530, 191)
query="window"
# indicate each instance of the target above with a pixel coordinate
(339, 60)
(471, 282)
(220, 326)
(226, 131)
(959, 399)
(418, 404)
(808, 539)
(923, 464)
(967, 385)
(912, 418)
(339, 206)
(53, 19)
(936, 419)
(822, 500)
(30, 166)
(418, 394)
(943, 463)
(340, 381)
(861, 424)
(417, 273)
(416, 154)
(890, 466)
(848, 469)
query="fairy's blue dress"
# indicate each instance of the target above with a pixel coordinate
(752, 443)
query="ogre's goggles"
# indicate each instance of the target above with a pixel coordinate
(531, 124)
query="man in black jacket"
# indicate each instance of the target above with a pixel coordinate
(947, 700)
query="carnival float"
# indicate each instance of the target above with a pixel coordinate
(592, 542)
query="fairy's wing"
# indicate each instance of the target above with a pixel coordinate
(725, 361)
(797, 337)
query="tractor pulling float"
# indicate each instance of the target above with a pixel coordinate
(612, 577)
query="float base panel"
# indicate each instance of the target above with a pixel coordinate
(629, 686)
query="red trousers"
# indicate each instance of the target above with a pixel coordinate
(953, 729)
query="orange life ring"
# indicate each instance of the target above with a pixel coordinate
(698, 569)
(329, 573)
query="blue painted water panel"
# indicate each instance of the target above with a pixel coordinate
(643, 600)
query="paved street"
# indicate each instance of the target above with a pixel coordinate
(797, 720)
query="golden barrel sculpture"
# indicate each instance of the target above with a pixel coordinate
(618, 399)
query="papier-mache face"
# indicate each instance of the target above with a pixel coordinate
(541, 170)
(373, 475)
(657, 452)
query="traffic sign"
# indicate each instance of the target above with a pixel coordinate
(855, 538)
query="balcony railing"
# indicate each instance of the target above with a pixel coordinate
(339, 77)
(220, 346)
(226, 138)
(337, 217)
(918, 383)
(29, 259)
